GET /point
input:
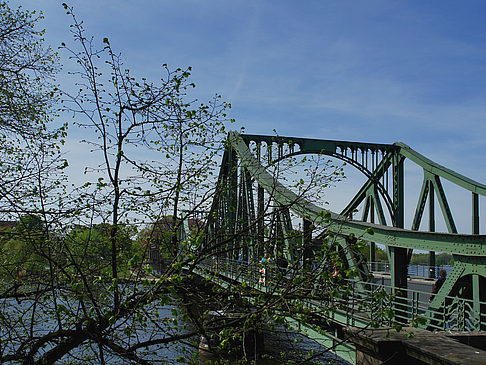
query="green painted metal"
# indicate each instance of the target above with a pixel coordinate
(245, 218)
(431, 229)
(307, 242)
(444, 205)
(234, 222)
(476, 302)
(289, 250)
(358, 306)
(424, 193)
(441, 171)
(392, 236)
(260, 221)
(377, 205)
(329, 340)
(427, 191)
(311, 145)
(378, 180)
(475, 213)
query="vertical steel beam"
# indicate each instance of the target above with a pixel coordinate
(431, 208)
(245, 218)
(307, 242)
(431, 228)
(398, 255)
(475, 213)
(476, 302)
(372, 244)
(279, 250)
(232, 201)
(290, 254)
(215, 231)
(273, 232)
(398, 191)
(240, 229)
(250, 214)
(261, 222)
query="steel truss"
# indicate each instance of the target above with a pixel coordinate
(244, 230)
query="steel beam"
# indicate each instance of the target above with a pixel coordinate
(307, 244)
(475, 213)
(431, 229)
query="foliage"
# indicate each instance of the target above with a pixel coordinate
(380, 254)
(21, 246)
(29, 148)
(157, 155)
(91, 294)
(26, 68)
(440, 259)
(91, 250)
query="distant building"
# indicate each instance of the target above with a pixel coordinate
(8, 224)
(161, 239)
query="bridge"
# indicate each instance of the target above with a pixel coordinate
(310, 247)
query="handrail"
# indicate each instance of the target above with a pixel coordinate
(413, 269)
(358, 307)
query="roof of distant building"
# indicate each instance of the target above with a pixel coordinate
(8, 224)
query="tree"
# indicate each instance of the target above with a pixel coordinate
(26, 71)
(29, 151)
(159, 238)
(107, 306)
(90, 249)
(20, 248)
(157, 151)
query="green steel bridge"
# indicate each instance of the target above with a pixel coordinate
(253, 212)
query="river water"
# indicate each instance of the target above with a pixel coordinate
(277, 342)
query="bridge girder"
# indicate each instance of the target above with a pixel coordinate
(234, 210)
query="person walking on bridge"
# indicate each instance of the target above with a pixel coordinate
(265, 258)
(263, 269)
(438, 284)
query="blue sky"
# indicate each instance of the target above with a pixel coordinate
(375, 71)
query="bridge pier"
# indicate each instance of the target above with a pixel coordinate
(249, 344)
(211, 311)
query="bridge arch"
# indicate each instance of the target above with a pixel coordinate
(372, 160)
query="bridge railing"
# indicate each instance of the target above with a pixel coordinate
(413, 270)
(457, 314)
(360, 303)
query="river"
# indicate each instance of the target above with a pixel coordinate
(277, 342)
